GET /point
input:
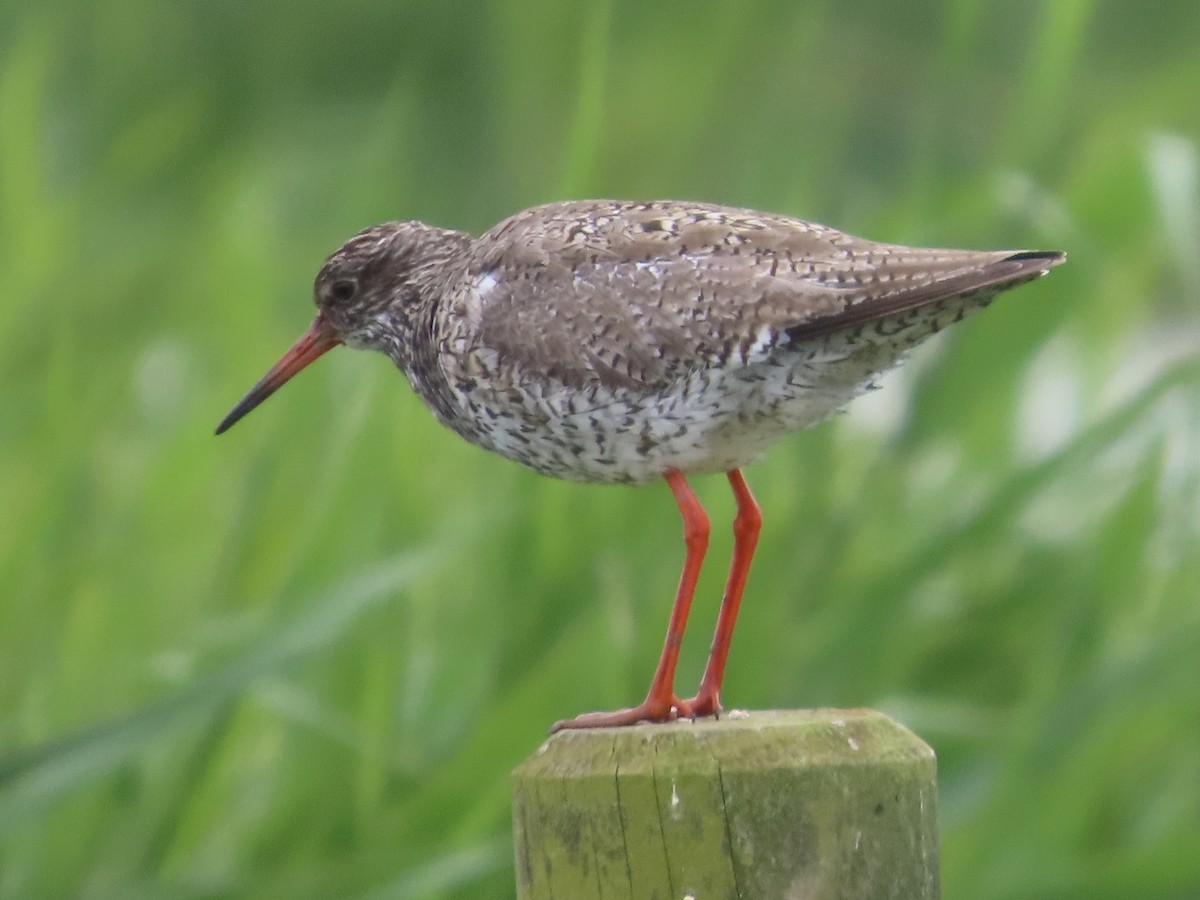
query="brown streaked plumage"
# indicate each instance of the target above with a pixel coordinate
(610, 341)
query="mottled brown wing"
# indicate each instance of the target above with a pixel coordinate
(640, 295)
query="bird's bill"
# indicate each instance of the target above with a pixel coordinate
(318, 340)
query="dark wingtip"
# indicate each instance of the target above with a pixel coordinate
(1047, 257)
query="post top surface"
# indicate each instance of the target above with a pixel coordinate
(747, 740)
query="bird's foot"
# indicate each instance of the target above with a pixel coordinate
(647, 711)
(705, 703)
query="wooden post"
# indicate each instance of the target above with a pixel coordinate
(815, 804)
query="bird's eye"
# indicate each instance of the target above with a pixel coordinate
(342, 290)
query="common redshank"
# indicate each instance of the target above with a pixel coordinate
(619, 342)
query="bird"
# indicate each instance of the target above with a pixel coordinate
(623, 342)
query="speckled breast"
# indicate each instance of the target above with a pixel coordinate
(712, 420)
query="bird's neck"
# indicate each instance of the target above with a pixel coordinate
(439, 261)
(430, 280)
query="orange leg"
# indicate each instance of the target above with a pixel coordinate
(746, 527)
(660, 702)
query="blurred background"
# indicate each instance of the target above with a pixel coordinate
(300, 660)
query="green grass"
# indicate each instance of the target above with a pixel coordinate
(300, 660)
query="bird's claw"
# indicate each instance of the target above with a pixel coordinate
(702, 705)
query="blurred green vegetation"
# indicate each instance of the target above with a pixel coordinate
(299, 661)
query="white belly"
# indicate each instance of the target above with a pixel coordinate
(719, 419)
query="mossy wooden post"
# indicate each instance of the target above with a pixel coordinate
(815, 804)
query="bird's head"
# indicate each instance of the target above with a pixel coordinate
(374, 292)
